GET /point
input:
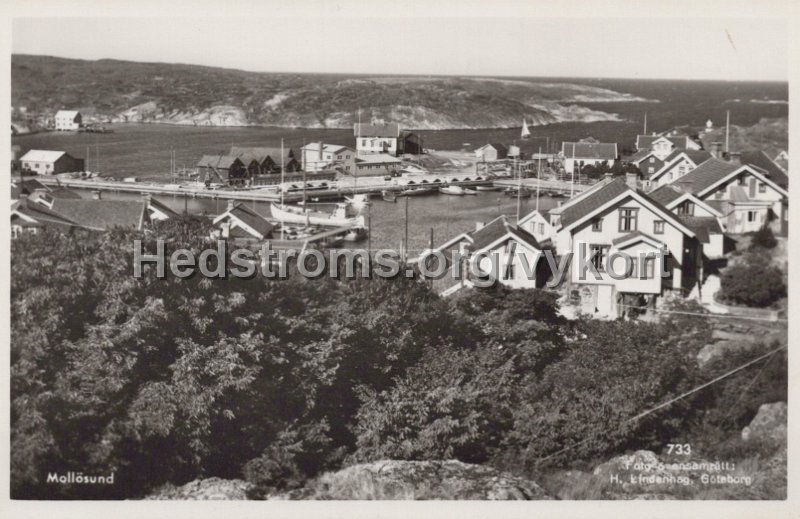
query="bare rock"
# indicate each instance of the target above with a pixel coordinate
(389, 480)
(769, 424)
(216, 489)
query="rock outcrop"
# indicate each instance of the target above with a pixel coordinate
(769, 424)
(215, 489)
(392, 479)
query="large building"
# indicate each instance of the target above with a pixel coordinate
(48, 162)
(317, 156)
(492, 152)
(68, 120)
(377, 138)
(576, 155)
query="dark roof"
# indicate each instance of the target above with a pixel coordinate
(102, 214)
(706, 174)
(760, 159)
(252, 219)
(665, 194)
(589, 150)
(25, 187)
(218, 161)
(702, 226)
(596, 200)
(42, 214)
(639, 155)
(698, 156)
(495, 230)
(376, 130)
(260, 153)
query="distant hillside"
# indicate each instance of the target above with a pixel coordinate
(122, 91)
(769, 134)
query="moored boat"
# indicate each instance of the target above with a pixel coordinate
(452, 190)
(293, 214)
(416, 191)
(470, 191)
(389, 196)
(487, 188)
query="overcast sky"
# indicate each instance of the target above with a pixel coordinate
(730, 49)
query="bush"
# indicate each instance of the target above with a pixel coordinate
(752, 282)
(763, 239)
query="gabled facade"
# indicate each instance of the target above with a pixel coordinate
(317, 156)
(575, 155)
(499, 248)
(615, 217)
(675, 165)
(663, 145)
(492, 152)
(377, 138)
(68, 120)
(29, 217)
(239, 222)
(744, 195)
(50, 162)
(537, 224)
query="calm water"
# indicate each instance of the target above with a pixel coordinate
(447, 215)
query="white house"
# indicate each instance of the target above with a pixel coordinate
(674, 166)
(662, 145)
(376, 164)
(575, 155)
(377, 138)
(68, 120)
(317, 156)
(705, 220)
(498, 249)
(493, 151)
(615, 217)
(745, 195)
(537, 224)
(50, 162)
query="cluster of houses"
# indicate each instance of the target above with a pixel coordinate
(35, 206)
(377, 152)
(686, 200)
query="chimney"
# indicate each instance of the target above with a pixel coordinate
(716, 150)
(96, 195)
(631, 179)
(231, 204)
(479, 226)
(735, 157)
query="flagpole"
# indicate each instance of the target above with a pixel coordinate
(538, 177)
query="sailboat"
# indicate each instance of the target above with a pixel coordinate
(340, 217)
(526, 133)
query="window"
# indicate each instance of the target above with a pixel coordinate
(339, 157)
(347, 156)
(752, 216)
(363, 142)
(670, 175)
(541, 228)
(597, 224)
(599, 259)
(658, 227)
(651, 170)
(742, 180)
(762, 187)
(652, 160)
(686, 209)
(628, 219)
(649, 268)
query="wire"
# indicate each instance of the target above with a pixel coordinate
(672, 400)
(722, 316)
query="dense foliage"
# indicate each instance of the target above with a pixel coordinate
(167, 380)
(753, 281)
(763, 239)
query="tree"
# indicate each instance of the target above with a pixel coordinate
(763, 239)
(752, 282)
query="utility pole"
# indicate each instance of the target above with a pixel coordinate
(727, 129)
(405, 246)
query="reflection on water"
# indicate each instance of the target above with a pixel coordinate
(446, 215)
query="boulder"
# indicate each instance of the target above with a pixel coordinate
(769, 424)
(391, 480)
(217, 489)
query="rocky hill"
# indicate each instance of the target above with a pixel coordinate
(122, 91)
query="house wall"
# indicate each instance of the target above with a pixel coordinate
(376, 145)
(673, 238)
(570, 164)
(676, 171)
(64, 164)
(522, 258)
(67, 123)
(489, 154)
(737, 220)
(539, 227)
(311, 161)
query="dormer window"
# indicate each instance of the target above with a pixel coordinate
(597, 224)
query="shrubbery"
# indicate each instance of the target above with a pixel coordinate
(763, 239)
(752, 282)
(277, 381)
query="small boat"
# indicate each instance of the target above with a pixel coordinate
(416, 191)
(487, 188)
(356, 234)
(470, 192)
(452, 190)
(521, 193)
(389, 196)
(340, 217)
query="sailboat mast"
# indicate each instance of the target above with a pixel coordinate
(538, 177)
(282, 189)
(727, 129)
